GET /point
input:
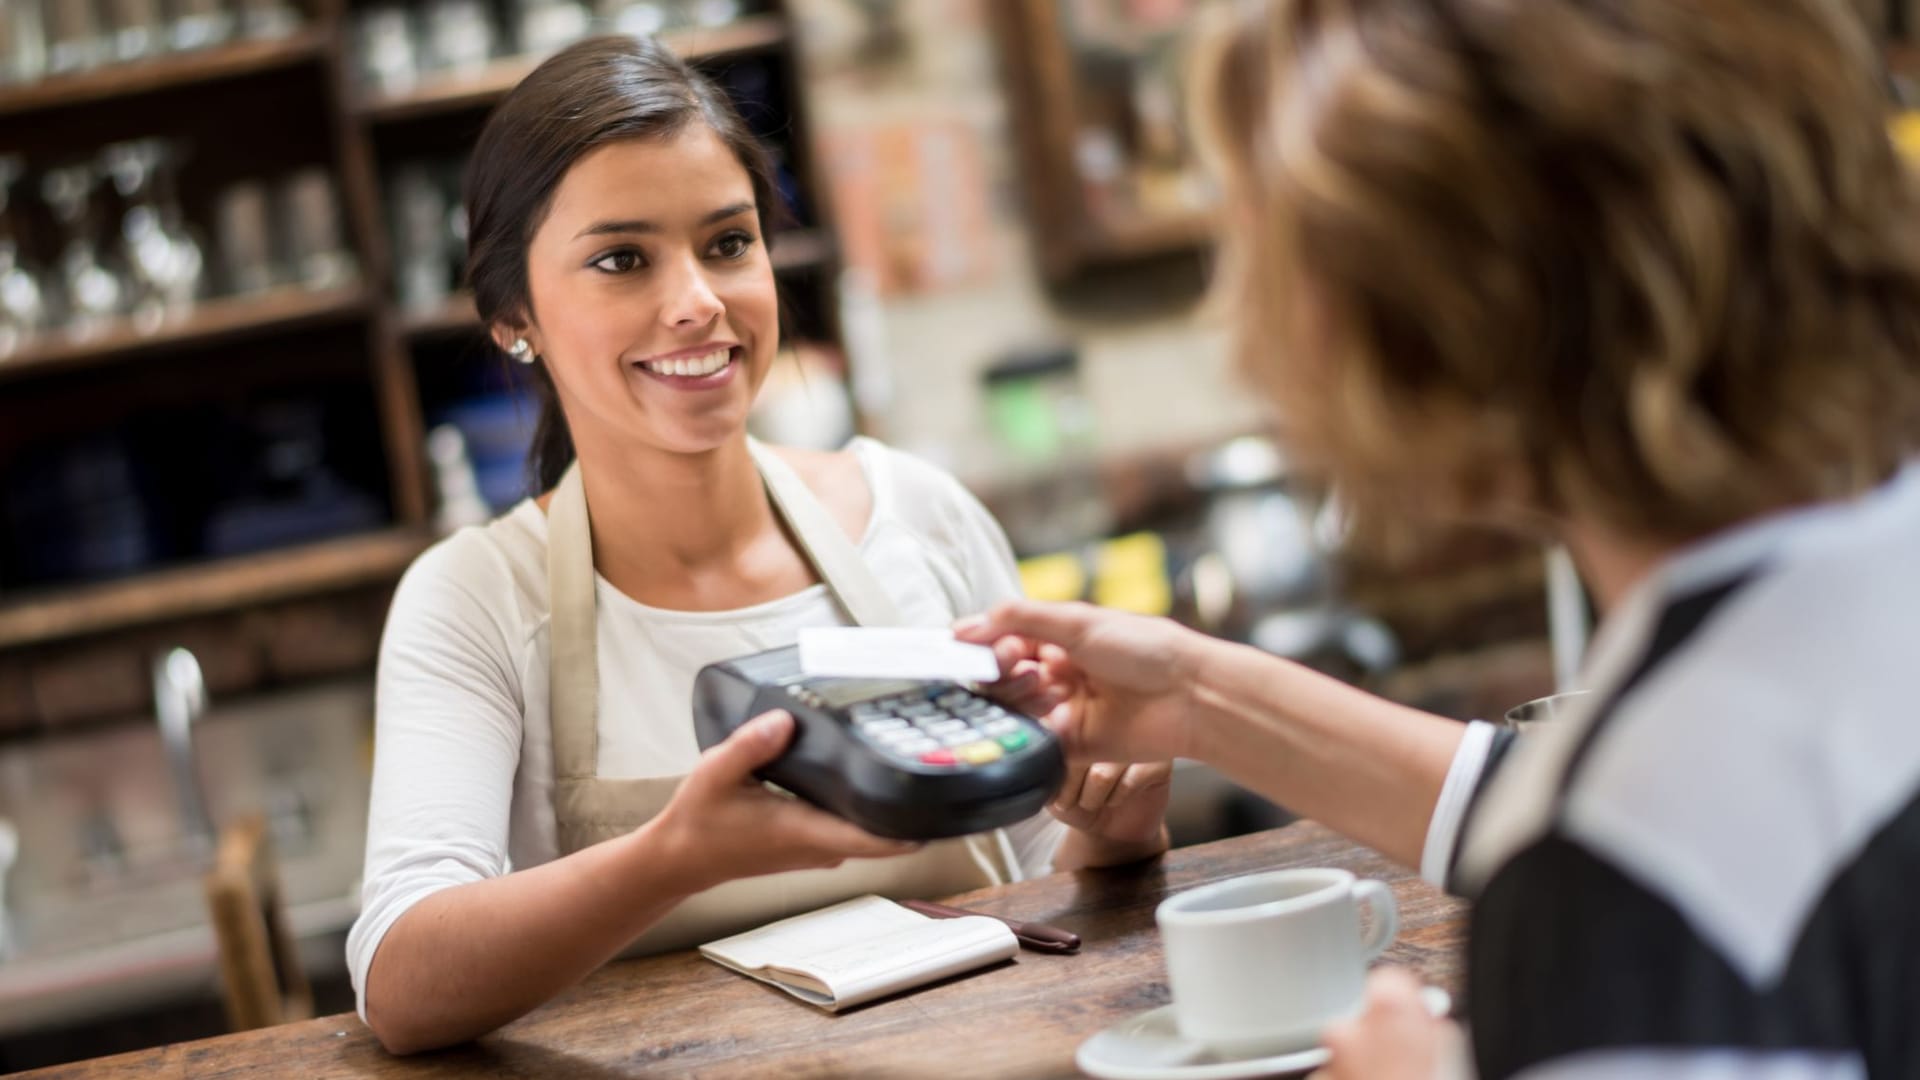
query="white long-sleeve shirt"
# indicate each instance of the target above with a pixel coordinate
(463, 766)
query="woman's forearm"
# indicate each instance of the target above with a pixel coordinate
(468, 959)
(1360, 764)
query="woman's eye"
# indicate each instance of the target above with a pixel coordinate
(733, 245)
(618, 262)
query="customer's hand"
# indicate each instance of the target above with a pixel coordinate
(1394, 1038)
(1119, 687)
(724, 824)
(1119, 805)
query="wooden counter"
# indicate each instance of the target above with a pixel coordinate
(680, 1015)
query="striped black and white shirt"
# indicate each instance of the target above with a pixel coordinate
(1713, 868)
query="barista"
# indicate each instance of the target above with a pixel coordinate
(539, 802)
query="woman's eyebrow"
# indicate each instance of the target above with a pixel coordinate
(639, 225)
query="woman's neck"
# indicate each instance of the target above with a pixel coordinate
(1611, 564)
(662, 518)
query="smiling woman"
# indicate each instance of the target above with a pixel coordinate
(539, 802)
(619, 213)
(656, 328)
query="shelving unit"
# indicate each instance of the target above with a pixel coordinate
(216, 321)
(167, 72)
(261, 109)
(217, 586)
(481, 89)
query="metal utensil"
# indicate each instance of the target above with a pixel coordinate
(179, 701)
(1551, 707)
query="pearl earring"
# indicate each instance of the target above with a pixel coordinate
(522, 351)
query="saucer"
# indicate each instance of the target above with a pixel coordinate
(1149, 1047)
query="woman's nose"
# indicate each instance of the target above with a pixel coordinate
(691, 300)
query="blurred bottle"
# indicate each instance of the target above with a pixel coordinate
(1043, 422)
(496, 433)
(460, 503)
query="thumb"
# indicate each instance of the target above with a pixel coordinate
(757, 742)
(1394, 987)
(1066, 724)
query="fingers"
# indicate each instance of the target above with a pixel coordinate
(1097, 788)
(1067, 799)
(1028, 691)
(1058, 624)
(755, 743)
(1055, 661)
(1019, 681)
(1139, 777)
(1395, 989)
(1011, 651)
(1392, 1037)
(1092, 788)
(1063, 720)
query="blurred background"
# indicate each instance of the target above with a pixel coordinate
(240, 388)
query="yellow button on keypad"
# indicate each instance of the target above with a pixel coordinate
(979, 753)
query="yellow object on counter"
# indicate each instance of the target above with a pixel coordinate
(1131, 575)
(1053, 577)
(1906, 134)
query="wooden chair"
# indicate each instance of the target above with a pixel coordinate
(260, 972)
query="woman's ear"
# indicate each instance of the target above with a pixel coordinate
(516, 340)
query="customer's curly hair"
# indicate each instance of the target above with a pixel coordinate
(1655, 262)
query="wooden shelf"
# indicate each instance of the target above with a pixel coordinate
(1903, 59)
(455, 315)
(1137, 237)
(796, 249)
(452, 93)
(161, 72)
(216, 586)
(211, 322)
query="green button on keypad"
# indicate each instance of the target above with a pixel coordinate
(1014, 740)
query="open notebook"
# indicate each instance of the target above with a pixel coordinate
(862, 949)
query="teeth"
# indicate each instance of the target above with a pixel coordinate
(692, 366)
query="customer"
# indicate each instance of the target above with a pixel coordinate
(539, 802)
(1645, 274)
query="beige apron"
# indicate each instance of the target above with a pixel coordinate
(588, 809)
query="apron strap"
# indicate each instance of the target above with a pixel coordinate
(824, 542)
(573, 695)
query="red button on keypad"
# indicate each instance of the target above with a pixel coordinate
(938, 757)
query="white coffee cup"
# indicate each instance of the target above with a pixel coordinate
(1261, 964)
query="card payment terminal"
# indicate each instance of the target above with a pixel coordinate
(900, 758)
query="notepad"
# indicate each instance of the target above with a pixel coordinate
(862, 949)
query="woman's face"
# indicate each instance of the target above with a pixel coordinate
(653, 298)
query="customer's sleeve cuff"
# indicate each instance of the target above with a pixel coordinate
(1463, 777)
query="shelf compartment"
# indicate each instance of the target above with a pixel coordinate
(225, 584)
(452, 93)
(211, 322)
(164, 72)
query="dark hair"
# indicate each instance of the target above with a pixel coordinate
(595, 92)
